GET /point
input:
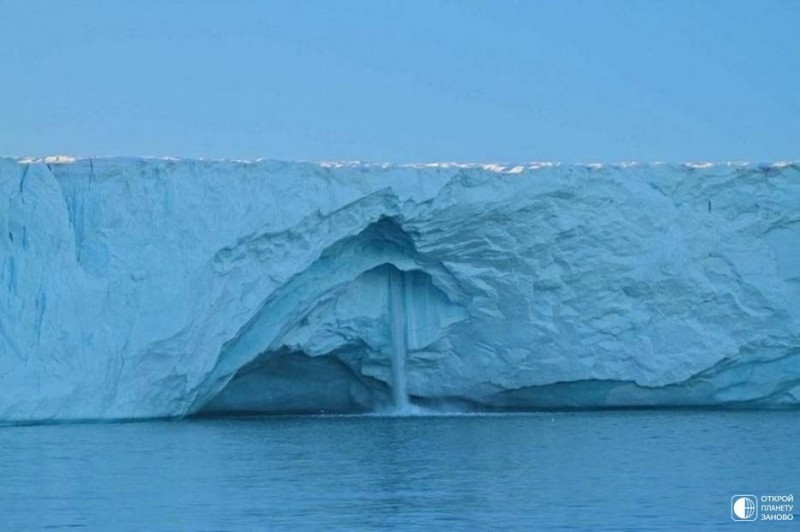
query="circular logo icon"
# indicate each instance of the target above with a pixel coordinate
(744, 508)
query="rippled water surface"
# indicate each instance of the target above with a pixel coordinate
(630, 469)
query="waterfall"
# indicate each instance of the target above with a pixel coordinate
(397, 320)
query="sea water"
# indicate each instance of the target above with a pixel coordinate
(637, 470)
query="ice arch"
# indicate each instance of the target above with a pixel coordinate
(325, 341)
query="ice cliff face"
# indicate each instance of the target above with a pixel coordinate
(137, 288)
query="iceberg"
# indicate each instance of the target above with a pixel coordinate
(139, 288)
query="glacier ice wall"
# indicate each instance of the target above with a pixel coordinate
(137, 288)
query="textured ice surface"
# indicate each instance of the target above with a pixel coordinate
(136, 288)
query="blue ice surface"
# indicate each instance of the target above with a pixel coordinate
(140, 288)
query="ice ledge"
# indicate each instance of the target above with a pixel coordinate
(499, 167)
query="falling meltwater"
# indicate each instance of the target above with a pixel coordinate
(397, 320)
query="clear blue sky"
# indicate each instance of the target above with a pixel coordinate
(403, 81)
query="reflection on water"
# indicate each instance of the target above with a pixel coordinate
(636, 469)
